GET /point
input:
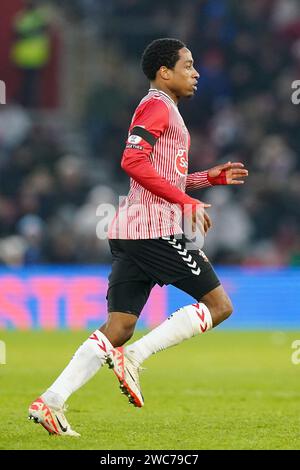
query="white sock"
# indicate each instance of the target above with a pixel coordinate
(87, 360)
(186, 322)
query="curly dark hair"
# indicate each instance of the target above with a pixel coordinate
(158, 53)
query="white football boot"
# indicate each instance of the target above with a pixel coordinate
(127, 374)
(54, 421)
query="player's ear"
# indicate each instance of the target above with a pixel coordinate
(164, 72)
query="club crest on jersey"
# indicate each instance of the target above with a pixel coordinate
(134, 139)
(181, 162)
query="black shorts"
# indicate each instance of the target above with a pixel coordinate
(138, 265)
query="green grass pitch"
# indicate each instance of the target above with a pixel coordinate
(222, 390)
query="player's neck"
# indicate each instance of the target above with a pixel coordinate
(165, 90)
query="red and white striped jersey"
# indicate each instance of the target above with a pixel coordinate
(156, 159)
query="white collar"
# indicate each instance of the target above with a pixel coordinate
(163, 93)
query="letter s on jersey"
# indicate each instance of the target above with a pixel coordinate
(181, 162)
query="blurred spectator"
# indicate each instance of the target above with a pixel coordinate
(85, 223)
(104, 115)
(8, 216)
(62, 248)
(31, 228)
(12, 251)
(30, 51)
(227, 213)
(71, 178)
(15, 125)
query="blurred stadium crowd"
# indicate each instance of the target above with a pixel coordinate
(54, 174)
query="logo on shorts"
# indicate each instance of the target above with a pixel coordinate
(181, 162)
(201, 253)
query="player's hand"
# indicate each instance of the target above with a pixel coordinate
(196, 217)
(200, 218)
(228, 173)
(206, 223)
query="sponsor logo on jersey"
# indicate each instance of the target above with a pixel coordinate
(133, 146)
(134, 139)
(181, 162)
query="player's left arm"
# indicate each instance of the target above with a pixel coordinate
(227, 173)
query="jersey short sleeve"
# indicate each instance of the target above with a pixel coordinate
(149, 121)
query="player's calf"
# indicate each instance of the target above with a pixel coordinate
(223, 311)
(219, 305)
(119, 327)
